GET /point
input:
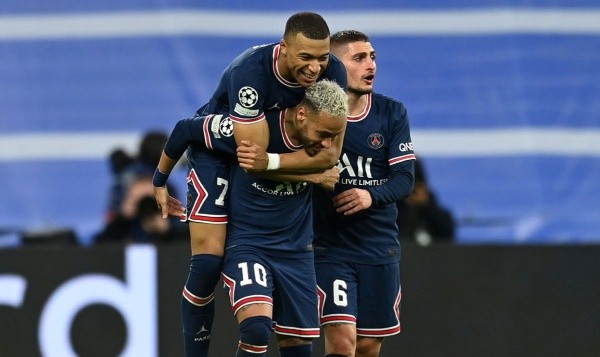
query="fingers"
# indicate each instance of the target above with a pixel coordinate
(351, 201)
(175, 207)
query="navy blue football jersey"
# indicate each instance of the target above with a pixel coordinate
(251, 85)
(377, 155)
(273, 216)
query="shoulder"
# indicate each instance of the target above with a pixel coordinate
(253, 67)
(384, 100)
(254, 56)
(336, 71)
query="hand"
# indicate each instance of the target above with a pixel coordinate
(352, 201)
(329, 178)
(252, 157)
(168, 205)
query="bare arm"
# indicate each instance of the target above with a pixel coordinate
(326, 179)
(254, 159)
(257, 132)
(168, 205)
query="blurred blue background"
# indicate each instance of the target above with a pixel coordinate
(503, 99)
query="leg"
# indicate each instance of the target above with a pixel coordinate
(295, 306)
(249, 282)
(294, 346)
(368, 346)
(340, 339)
(337, 283)
(255, 326)
(379, 307)
(197, 306)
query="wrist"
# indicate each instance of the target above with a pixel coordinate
(274, 161)
(159, 179)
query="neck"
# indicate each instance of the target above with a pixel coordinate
(356, 103)
(282, 68)
(289, 124)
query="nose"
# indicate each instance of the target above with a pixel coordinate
(326, 143)
(370, 62)
(314, 67)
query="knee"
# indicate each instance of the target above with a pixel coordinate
(255, 333)
(368, 346)
(340, 339)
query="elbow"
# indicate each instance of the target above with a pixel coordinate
(329, 158)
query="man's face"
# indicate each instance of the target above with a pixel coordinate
(359, 59)
(304, 58)
(317, 131)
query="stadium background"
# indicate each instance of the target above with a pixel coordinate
(502, 98)
(503, 102)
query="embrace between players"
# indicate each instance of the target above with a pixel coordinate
(297, 248)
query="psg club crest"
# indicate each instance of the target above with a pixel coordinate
(375, 140)
(248, 97)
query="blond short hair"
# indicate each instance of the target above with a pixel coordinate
(327, 96)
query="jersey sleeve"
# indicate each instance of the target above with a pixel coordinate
(246, 95)
(214, 132)
(401, 160)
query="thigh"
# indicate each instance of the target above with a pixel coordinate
(295, 298)
(248, 278)
(379, 294)
(207, 238)
(337, 284)
(207, 193)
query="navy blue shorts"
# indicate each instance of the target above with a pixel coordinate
(207, 193)
(288, 284)
(365, 295)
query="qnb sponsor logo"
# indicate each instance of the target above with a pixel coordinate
(406, 147)
(362, 168)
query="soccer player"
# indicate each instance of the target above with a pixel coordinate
(269, 265)
(357, 254)
(262, 79)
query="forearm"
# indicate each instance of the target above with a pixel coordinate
(300, 161)
(399, 185)
(292, 177)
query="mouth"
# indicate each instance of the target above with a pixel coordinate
(369, 79)
(309, 77)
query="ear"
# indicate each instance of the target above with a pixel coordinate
(283, 47)
(301, 114)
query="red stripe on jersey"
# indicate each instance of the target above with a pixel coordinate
(241, 120)
(279, 77)
(284, 134)
(378, 332)
(398, 159)
(337, 318)
(206, 131)
(205, 218)
(256, 299)
(364, 113)
(196, 300)
(293, 331)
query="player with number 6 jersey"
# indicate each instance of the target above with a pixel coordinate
(357, 252)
